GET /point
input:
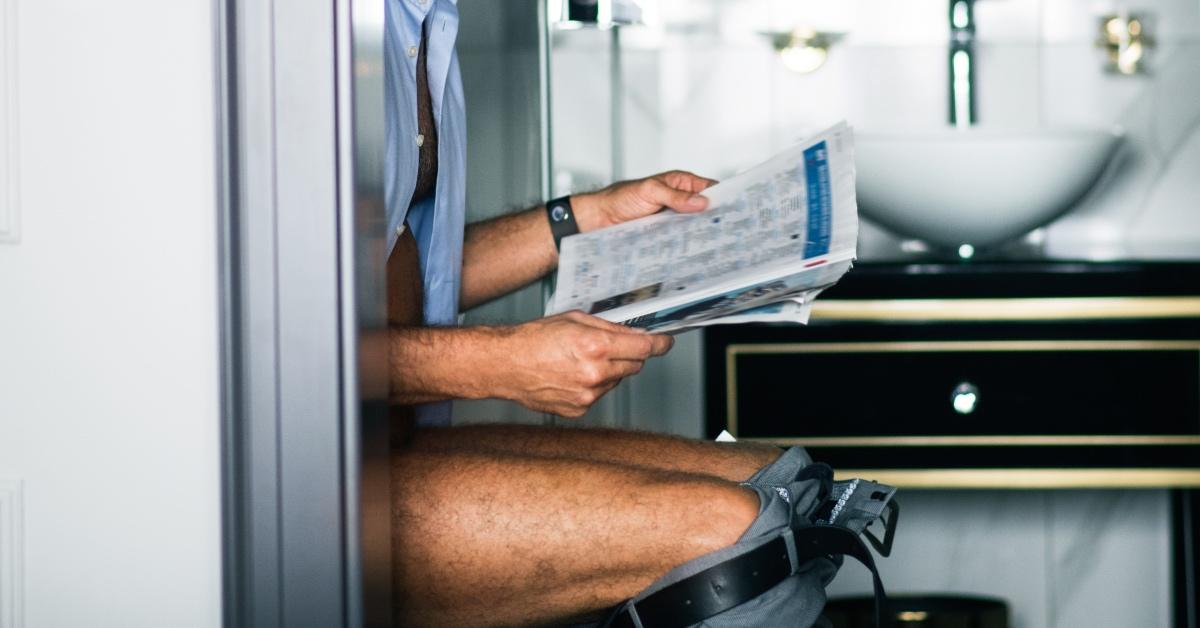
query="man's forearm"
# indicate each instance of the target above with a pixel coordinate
(507, 253)
(510, 252)
(504, 254)
(427, 363)
(560, 364)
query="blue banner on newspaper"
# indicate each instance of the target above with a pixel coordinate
(820, 200)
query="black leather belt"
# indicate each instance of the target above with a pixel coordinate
(743, 578)
(714, 590)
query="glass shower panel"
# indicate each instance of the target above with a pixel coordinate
(498, 50)
(586, 80)
(609, 111)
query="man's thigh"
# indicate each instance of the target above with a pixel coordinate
(484, 538)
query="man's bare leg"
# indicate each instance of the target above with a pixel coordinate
(729, 461)
(486, 539)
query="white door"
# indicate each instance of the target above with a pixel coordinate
(109, 394)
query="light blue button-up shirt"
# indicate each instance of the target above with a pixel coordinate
(437, 221)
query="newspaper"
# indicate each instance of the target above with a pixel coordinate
(772, 239)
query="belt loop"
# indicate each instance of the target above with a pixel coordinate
(790, 539)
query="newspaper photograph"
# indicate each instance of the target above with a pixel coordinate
(773, 236)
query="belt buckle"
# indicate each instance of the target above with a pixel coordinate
(884, 547)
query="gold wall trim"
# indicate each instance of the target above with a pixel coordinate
(1028, 478)
(981, 441)
(1033, 309)
(934, 346)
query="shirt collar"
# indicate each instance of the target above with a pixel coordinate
(418, 8)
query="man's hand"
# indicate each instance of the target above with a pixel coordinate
(563, 364)
(626, 200)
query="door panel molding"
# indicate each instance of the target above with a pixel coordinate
(10, 231)
(302, 310)
(12, 552)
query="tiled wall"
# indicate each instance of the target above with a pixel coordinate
(705, 91)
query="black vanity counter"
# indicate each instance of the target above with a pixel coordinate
(979, 374)
(1017, 279)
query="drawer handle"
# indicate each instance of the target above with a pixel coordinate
(965, 398)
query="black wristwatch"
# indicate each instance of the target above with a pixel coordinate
(562, 219)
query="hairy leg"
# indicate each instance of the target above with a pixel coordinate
(730, 461)
(496, 539)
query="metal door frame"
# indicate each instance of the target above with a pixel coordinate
(304, 433)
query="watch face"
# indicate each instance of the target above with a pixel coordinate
(558, 213)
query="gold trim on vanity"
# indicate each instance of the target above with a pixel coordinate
(1028, 478)
(1037, 309)
(981, 441)
(952, 346)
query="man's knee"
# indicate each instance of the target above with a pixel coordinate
(718, 512)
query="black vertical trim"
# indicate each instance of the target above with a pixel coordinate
(1185, 507)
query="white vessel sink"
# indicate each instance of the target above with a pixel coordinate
(976, 186)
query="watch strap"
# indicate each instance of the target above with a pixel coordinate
(562, 219)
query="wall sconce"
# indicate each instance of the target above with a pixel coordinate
(571, 14)
(803, 49)
(1125, 43)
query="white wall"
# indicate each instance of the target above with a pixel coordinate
(705, 91)
(108, 332)
(1061, 559)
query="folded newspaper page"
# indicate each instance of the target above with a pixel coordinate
(772, 239)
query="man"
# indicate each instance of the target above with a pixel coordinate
(507, 525)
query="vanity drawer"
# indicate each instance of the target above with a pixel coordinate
(1023, 388)
(1046, 413)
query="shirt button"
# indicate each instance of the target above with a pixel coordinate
(412, 51)
(400, 229)
(420, 140)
